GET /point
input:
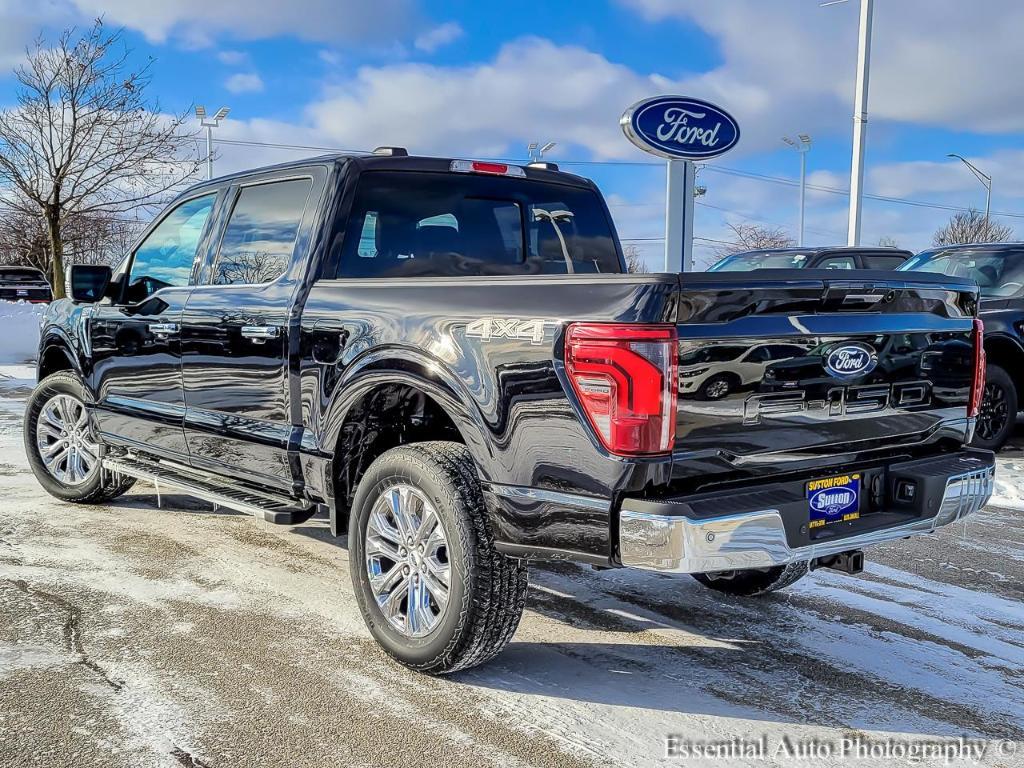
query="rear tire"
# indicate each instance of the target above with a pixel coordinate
(62, 451)
(754, 581)
(426, 496)
(998, 410)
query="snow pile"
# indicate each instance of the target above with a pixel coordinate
(19, 331)
(1009, 491)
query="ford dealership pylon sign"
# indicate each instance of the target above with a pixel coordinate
(678, 127)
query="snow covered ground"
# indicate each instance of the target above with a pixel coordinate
(19, 330)
(132, 635)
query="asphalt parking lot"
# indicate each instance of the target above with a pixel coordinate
(132, 635)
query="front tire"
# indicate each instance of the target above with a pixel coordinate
(717, 387)
(62, 451)
(754, 581)
(433, 590)
(998, 410)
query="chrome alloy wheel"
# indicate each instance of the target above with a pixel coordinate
(65, 442)
(718, 389)
(407, 560)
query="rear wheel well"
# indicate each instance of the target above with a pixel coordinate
(384, 418)
(1009, 357)
(54, 358)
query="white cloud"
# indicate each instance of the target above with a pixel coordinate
(532, 89)
(20, 22)
(438, 36)
(200, 22)
(244, 82)
(944, 62)
(233, 58)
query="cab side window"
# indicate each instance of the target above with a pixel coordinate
(261, 232)
(165, 257)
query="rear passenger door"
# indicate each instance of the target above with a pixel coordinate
(237, 331)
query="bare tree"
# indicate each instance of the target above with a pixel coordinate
(751, 237)
(634, 262)
(249, 268)
(23, 240)
(84, 140)
(972, 227)
(98, 238)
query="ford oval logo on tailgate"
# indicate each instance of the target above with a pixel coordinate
(848, 361)
(680, 127)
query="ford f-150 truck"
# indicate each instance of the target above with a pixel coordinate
(448, 359)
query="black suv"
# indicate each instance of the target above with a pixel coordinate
(832, 257)
(998, 268)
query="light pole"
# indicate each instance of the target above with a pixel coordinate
(983, 177)
(860, 116)
(537, 151)
(801, 144)
(209, 123)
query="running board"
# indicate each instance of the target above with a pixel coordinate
(280, 510)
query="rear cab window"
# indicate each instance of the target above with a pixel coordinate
(878, 261)
(428, 224)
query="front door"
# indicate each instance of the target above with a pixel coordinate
(235, 335)
(135, 339)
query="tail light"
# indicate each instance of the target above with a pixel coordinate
(625, 377)
(978, 386)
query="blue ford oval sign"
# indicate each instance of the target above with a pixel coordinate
(848, 361)
(680, 127)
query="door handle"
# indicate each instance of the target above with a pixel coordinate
(260, 333)
(163, 330)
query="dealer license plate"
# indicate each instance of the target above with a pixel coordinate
(832, 500)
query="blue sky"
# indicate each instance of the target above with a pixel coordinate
(483, 79)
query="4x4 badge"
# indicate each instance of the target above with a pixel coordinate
(487, 328)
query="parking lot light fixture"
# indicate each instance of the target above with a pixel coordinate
(983, 177)
(802, 144)
(209, 123)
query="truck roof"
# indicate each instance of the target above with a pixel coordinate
(400, 162)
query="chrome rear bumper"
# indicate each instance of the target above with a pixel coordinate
(671, 540)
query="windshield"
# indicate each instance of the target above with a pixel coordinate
(743, 262)
(998, 272)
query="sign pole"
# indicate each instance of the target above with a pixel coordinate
(679, 201)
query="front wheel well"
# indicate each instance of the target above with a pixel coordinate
(55, 357)
(386, 417)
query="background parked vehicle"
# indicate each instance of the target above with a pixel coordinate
(998, 269)
(835, 257)
(716, 370)
(24, 284)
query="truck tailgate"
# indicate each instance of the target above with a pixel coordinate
(782, 369)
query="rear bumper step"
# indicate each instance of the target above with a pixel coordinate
(279, 510)
(683, 536)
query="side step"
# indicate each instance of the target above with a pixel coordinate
(280, 510)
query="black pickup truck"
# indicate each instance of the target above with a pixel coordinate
(447, 358)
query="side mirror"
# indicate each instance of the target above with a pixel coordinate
(89, 283)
